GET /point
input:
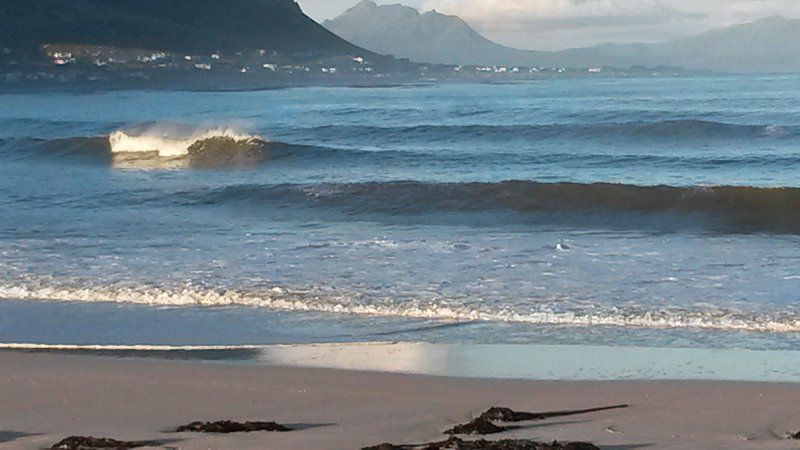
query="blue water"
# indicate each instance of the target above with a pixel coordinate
(648, 212)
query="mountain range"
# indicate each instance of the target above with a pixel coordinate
(767, 45)
(170, 25)
(431, 37)
(281, 27)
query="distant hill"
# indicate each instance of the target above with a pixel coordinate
(431, 37)
(171, 25)
(767, 45)
(771, 44)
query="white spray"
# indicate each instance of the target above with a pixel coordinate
(170, 143)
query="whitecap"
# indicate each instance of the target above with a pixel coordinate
(171, 142)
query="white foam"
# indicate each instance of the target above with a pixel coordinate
(288, 300)
(131, 348)
(775, 131)
(170, 143)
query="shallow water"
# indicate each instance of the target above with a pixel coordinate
(388, 214)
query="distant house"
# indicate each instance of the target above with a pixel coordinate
(152, 57)
(62, 58)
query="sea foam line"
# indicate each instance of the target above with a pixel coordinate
(133, 348)
(286, 300)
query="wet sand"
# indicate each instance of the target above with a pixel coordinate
(46, 397)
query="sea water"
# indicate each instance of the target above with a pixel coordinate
(646, 212)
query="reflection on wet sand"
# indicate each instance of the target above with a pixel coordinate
(544, 362)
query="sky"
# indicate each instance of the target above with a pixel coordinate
(559, 24)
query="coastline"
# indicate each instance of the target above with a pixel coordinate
(479, 361)
(46, 397)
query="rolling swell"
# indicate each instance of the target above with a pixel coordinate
(213, 153)
(699, 130)
(732, 209)
(84, 149)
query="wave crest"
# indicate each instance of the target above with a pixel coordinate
(169, 143)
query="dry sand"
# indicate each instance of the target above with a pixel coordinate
(46, 397)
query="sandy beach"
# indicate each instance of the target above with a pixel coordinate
(45, 397)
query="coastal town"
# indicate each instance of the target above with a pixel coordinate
(65, 64)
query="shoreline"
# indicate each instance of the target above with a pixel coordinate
(45, 397)
(478, 361)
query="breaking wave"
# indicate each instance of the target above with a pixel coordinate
(170, 142)
(175, 146)
(154, 148)
(290, 300)
(99, 149)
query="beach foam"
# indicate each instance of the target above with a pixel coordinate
(282, 299)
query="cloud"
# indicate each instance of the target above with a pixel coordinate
(325, 9)
(563, 11)
(516, 10)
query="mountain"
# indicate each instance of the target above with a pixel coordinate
(767, 45)
(431, 37)
(771, 44)
(170, 25)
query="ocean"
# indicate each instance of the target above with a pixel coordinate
(646, 212)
